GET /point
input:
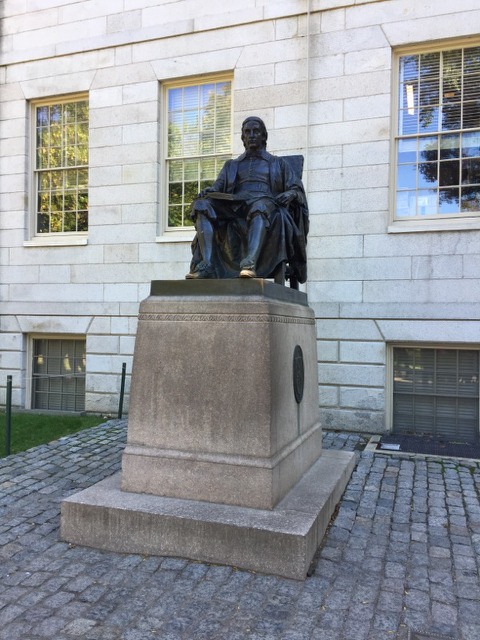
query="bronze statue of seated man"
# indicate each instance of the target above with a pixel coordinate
(254, 218)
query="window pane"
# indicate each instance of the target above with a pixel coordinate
(191, 98)
(427, 202)
(70, 223)
(207, 95)
(191, 190)
(449, 146)
(452, 88)
(436, 392)
(409, 68)
(429, 118)
(409, 97)
(403, 413)
(407, 151)
(207, 142)
(430, 93)
(471, 171)
(199, 130)
(470, 200)
(56, 222)
(82, 199)
(471, 144)
(82, 221)
(175, 171)
(471, 114)
(174, 100)
(447, 372)
(449, 200)
(427, 174)
(62, 145)
(55, 157)
(191, 144)
(207, 169)
(82, 111)
(175, 192)
(471, 87)
(468, 383)
(451, 116)
(43, 221)
(408, 121)
(471, 62)
(191, 170)
(81, 154)
(57, 384)
(406, 203)
(439, 92)
(430, 65)
(449, 173)
(174, 144)
(71, 178)
(424, 363)
(423, 419)
(43, 116)
(428, 148)
(452, 62)
(175, 218)
(407, 176)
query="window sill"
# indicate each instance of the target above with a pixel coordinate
(176, 236)
(60, 240)
(443, 224)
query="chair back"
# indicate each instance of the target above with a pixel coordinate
(296, 164)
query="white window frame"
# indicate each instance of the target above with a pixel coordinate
(438, 222)
(61, 238)
(181, 234)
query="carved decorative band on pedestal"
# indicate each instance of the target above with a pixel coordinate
(213, 317)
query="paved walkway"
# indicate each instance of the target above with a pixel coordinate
(403, 553)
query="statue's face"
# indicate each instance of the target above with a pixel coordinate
(253, 136)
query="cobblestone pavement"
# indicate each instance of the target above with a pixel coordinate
(402, 553)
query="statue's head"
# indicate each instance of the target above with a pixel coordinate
(254, 133)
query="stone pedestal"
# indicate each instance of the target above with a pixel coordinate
(213, 414)
(223, 459)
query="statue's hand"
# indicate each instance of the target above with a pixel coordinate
(286, 197)
(204, 192)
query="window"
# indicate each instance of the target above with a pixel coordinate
(438, 137)
(58, 374)
(199, 140)
(436, 392)
(61, 166)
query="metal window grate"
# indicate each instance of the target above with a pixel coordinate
(59, 374)
(436, 393)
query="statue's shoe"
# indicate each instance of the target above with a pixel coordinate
(202, 270)
(247, 268)
(248, 273)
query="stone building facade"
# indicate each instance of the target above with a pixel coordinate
(113, 113)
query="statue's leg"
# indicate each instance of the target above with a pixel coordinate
(205, 234)
(257, 232)
(205, 237)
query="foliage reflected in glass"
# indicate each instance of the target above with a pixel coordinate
(198, 143)
(440, 95)
(62, 167)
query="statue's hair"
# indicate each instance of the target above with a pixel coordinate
(260, 121)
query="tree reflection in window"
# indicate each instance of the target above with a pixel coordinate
(62, 167)
(199, 142)
(438, 148)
